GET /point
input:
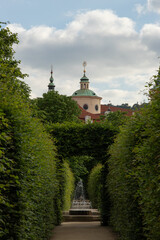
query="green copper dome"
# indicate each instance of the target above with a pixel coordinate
(84, 92)
(84, 78)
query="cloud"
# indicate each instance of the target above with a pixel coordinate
(150, 36)
(153, 5)
(150, 6)
(119, 58)
(141, 9)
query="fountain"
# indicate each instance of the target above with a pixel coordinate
(81, 208)
(80, 205)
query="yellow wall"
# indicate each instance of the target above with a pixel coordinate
(90, 101)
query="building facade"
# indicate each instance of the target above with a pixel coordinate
(90, 104)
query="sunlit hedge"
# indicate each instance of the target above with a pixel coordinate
(94, 186)
(68, 187)
(27, 172)
(122, 184)
(134, 173)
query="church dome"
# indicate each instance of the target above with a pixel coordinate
(84, 86)
(84, 92)
(86, 98)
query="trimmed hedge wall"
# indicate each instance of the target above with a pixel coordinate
(68, 187)
(122, 185)
(95, 187)
(77, 139)
(93, 140)
(134, 173)
(28, 182)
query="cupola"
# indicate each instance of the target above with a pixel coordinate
(51, 85)
(86, 98)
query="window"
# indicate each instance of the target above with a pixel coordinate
(85, 106)
(96, 107)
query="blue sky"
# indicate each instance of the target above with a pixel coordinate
(119, 39)
(58, 13)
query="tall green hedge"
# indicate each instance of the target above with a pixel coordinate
(94, 186)
(28, 172)
(68, 187)
(122, 184)
(134, 173)
(148, 164)
(79, 139)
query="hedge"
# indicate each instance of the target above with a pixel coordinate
(134, 173)
(79, 139)
(125, 209)
(94, 186)
(28, 182)
(68, 187)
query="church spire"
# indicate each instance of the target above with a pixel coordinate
(84, 83)
(84, 65)
(51, 85)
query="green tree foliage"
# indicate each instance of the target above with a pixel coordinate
(53, 107)
(148, 164)
(68, 187)
(92, 140)
(28, 183)
(10, 72)
(79, 139)
(133, 178)
(122, 185)
(115, 119)
(94, 186)
(80, 166)
(138, 106)
(124, 105)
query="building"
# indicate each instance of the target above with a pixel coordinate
(90, 103)
(51, 85)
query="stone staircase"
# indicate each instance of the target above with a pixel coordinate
(81, 215)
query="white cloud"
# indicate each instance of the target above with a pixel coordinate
(150, 6)
(153, 5)
(150, 36)
(113, 95)
(141, 9)
(119, 58)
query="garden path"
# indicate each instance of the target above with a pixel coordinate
(82, 231)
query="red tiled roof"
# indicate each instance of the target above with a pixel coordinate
(104, 108)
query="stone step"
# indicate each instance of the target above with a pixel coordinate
(81, 215)
(81, 218)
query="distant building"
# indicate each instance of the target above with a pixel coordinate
(90, 103)
(51, 85)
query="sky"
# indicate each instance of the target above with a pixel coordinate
(119, 40)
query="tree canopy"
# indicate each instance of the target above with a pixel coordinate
(10, 72)
(53, 108)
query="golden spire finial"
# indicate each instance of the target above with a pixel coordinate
(51, 69)
(84, 65)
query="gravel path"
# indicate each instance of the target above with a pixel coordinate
(82, 231)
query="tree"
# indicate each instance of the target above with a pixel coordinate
(124, 105)
(28, 177)
(10, 73)
(115, 119)
(53, 107)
